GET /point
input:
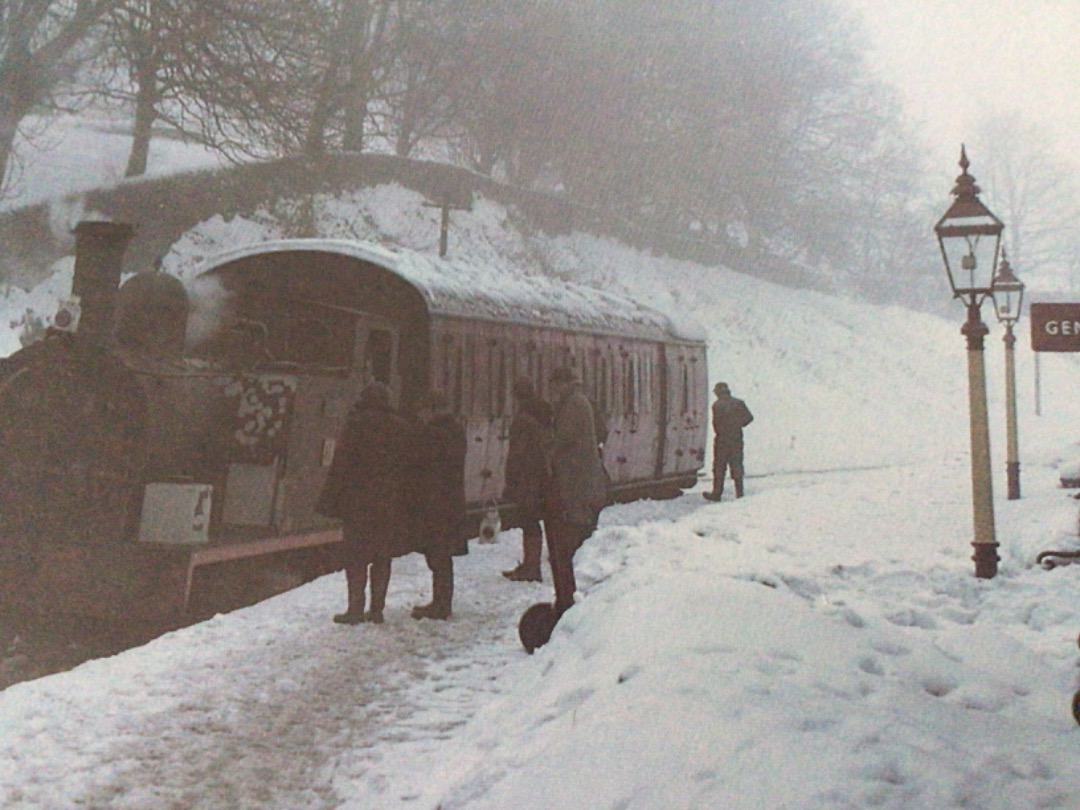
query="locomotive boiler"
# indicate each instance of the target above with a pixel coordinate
(159, 434)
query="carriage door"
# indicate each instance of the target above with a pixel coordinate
(378, 344)
(681, 451)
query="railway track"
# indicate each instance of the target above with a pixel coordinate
(31, 649)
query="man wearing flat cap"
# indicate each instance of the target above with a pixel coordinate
(729, 416)
(579, 488)
(528, 470)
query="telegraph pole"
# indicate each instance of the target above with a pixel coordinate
(446, 206)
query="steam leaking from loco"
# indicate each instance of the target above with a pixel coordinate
(209, 307)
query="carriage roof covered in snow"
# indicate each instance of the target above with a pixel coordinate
(451, 287)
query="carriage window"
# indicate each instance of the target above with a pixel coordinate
(613, 389)
(513, 369)
(380, 354)
(630, 390)
(445, 380)
(473, 375)
(548, 363)
(694, 387)
(603, 398)
(499, 379)
(489, 379)
(596, 375)
(458, 377)
(646, 385)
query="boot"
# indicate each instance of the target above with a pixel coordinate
(356, 581)
(380, 583)
(562, 542)
(716, 494)
(431, 610)
(738, 487)
(532, 544)
(442, 590)
(442, 587)
(524, 573)
(350, 616)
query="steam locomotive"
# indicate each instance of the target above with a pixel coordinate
(159, 432)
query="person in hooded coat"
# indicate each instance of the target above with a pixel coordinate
(729, 416)
(366, 489)
(528, 474)
(438, 484)
(579, 486)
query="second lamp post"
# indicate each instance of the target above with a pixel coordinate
(970, 237)
(1008, 298)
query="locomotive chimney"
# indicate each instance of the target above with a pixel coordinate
(99, 253)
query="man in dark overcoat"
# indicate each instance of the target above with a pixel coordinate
(729, 416)
(366, 489)
(579, 487)
(439, 500)
(528, 474)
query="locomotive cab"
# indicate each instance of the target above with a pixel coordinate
(302, 341)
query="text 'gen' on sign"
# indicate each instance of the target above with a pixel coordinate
(1055, 327)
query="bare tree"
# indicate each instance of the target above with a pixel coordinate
(755, 124)
(1036, 194)
(416, 103)
(39, 40)
(128, 65)
(285, 76)
(348, 60)
(250, 78)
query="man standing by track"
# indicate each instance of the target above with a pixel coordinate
(365, 488)
(729, 416)
(438, 482)
(528, 470)
(579, 484)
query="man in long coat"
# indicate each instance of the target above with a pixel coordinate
(438, 484)
(729, 416)
(366, 489)
(579, 487)
(528, 473)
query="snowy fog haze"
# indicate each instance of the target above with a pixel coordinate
(820, 643)
(954, 62)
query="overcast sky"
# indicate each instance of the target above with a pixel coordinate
(954, 59)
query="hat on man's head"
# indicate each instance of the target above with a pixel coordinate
(564, 374)
(721, 388)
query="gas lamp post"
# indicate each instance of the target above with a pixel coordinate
(1008, 299)
(970, 236)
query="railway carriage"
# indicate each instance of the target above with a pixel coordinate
(135, 461)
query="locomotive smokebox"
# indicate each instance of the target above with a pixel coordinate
(99, 253)
(151, 315)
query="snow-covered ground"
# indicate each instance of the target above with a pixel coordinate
(821, 643)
